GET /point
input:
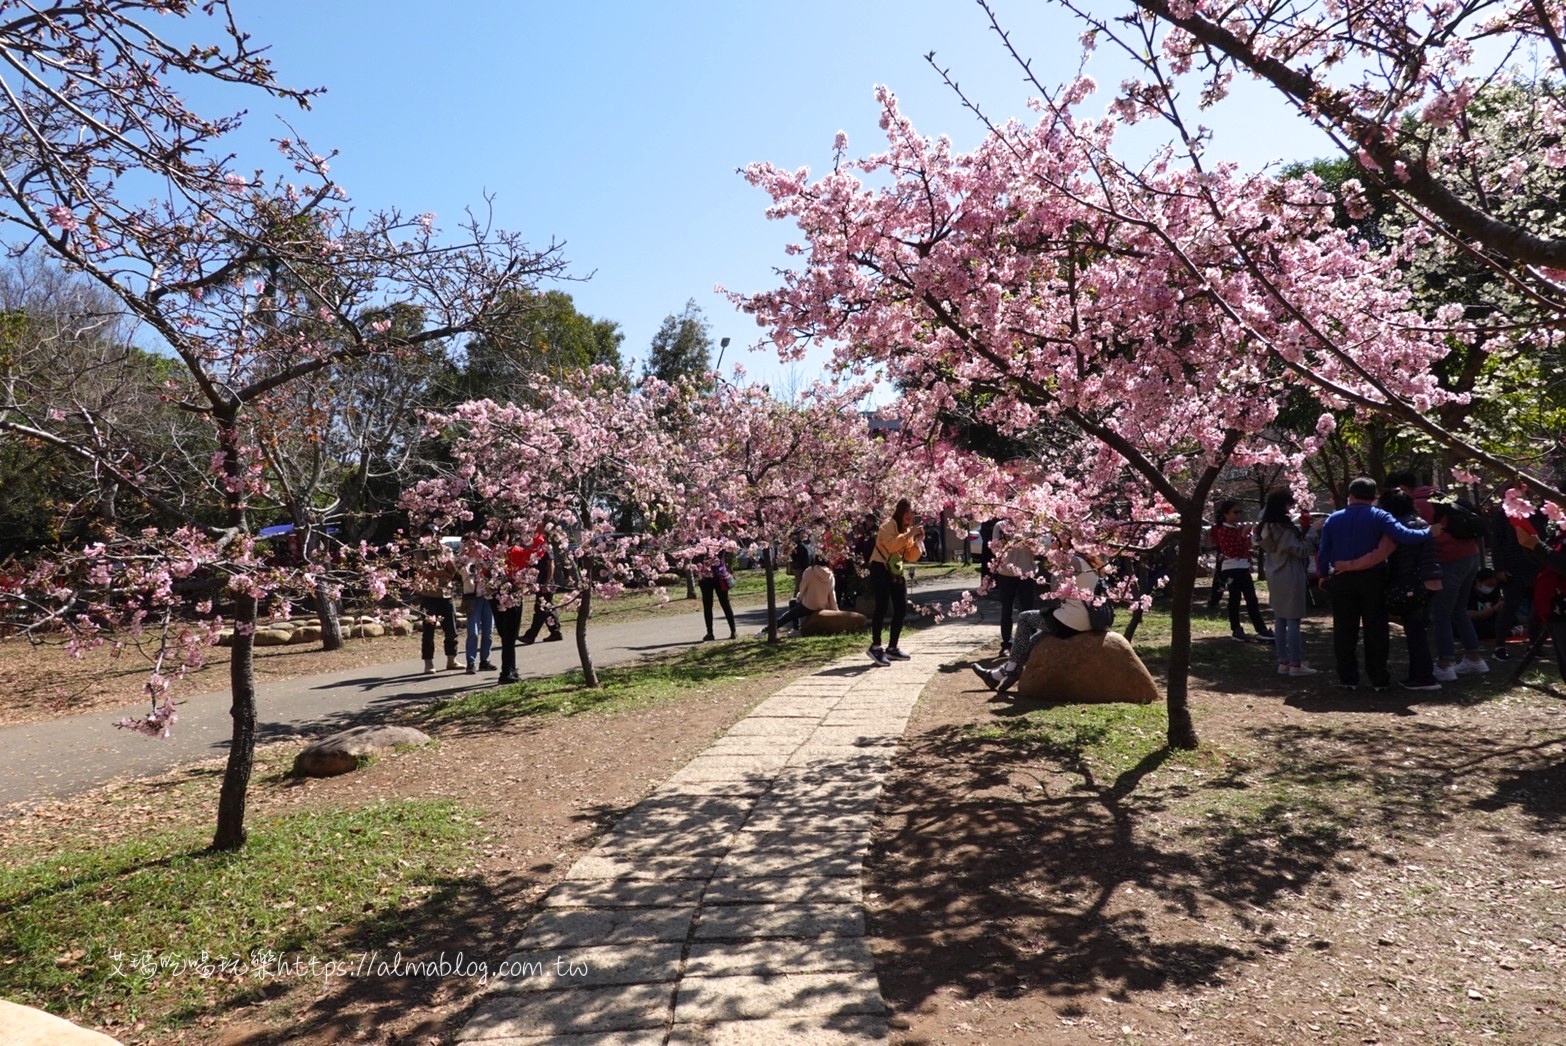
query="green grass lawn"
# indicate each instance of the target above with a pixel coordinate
(643, 683)
(156, 927)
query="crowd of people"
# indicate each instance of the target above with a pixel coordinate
(1407, 553)
(444, 577)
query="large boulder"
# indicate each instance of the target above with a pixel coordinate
(346, 750)
(1087, 668)
(273, 636)
(831, 622)
(306, 634)
(25, 1026)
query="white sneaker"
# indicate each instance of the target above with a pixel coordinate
(1301, 670)
(1283, 668)
(1445, 674)
(429, 668)
(1472, 667)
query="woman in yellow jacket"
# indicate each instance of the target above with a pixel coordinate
(898, 537)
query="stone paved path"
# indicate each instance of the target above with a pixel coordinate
(727, 908)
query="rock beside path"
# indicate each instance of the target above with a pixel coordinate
(344, 751)
(1087, 668)
(831, 622)
(25, 1026)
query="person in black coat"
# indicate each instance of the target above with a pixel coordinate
(1414, 577)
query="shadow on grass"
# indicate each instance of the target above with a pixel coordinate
(458, 915)
(689, 671)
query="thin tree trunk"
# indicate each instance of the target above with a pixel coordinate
(1182, 730)
(1131, 626)
(690, 582)
(331, 621)
(230, 833)
(584, 608)
(772, 596)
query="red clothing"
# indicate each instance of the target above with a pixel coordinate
(1447, 548)
(1232, 542)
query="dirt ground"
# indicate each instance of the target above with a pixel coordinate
(1330, 868)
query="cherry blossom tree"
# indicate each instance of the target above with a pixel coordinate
(762, 468)
(566, 463)
(1032, 276)
(1451, 115)
(249, 284)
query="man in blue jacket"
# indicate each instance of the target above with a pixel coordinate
(1360, 595)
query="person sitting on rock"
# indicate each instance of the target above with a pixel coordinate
(817, 592)
(1063, 617)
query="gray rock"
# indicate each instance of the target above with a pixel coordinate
(345, 751)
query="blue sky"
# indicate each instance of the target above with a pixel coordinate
(618, 127)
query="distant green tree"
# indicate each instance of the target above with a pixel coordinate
(66, 359)
(682, 348)
(544, 335)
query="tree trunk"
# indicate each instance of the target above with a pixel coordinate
(772, 596)
(242, 746)
(690, 582)
(331, 621)
(584, 608)
(1131, 626)
(1182, 731)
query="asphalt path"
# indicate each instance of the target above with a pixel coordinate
(73, 754)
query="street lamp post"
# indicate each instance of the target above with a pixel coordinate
(723, 344)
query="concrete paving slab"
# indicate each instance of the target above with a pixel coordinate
(847, 796)
(702, 807)
(618, 1008)
(852, 737)
(565, 928)
(822, 778)
(847, 1030)
(746, 770)
(625, 893)
(855, 844)
(651, 843)
(811, 821)
(776, 890)
(765, 864)
(750, 786)
(892, 722)
(741, 922)
(664, 821)
(550, 969)
(595, 866)
(752, 996)
(753, 744)
(868, 761)
(731, 958)
(645, 1037)
(758, 726)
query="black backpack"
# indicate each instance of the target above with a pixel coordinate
(1461, 518)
